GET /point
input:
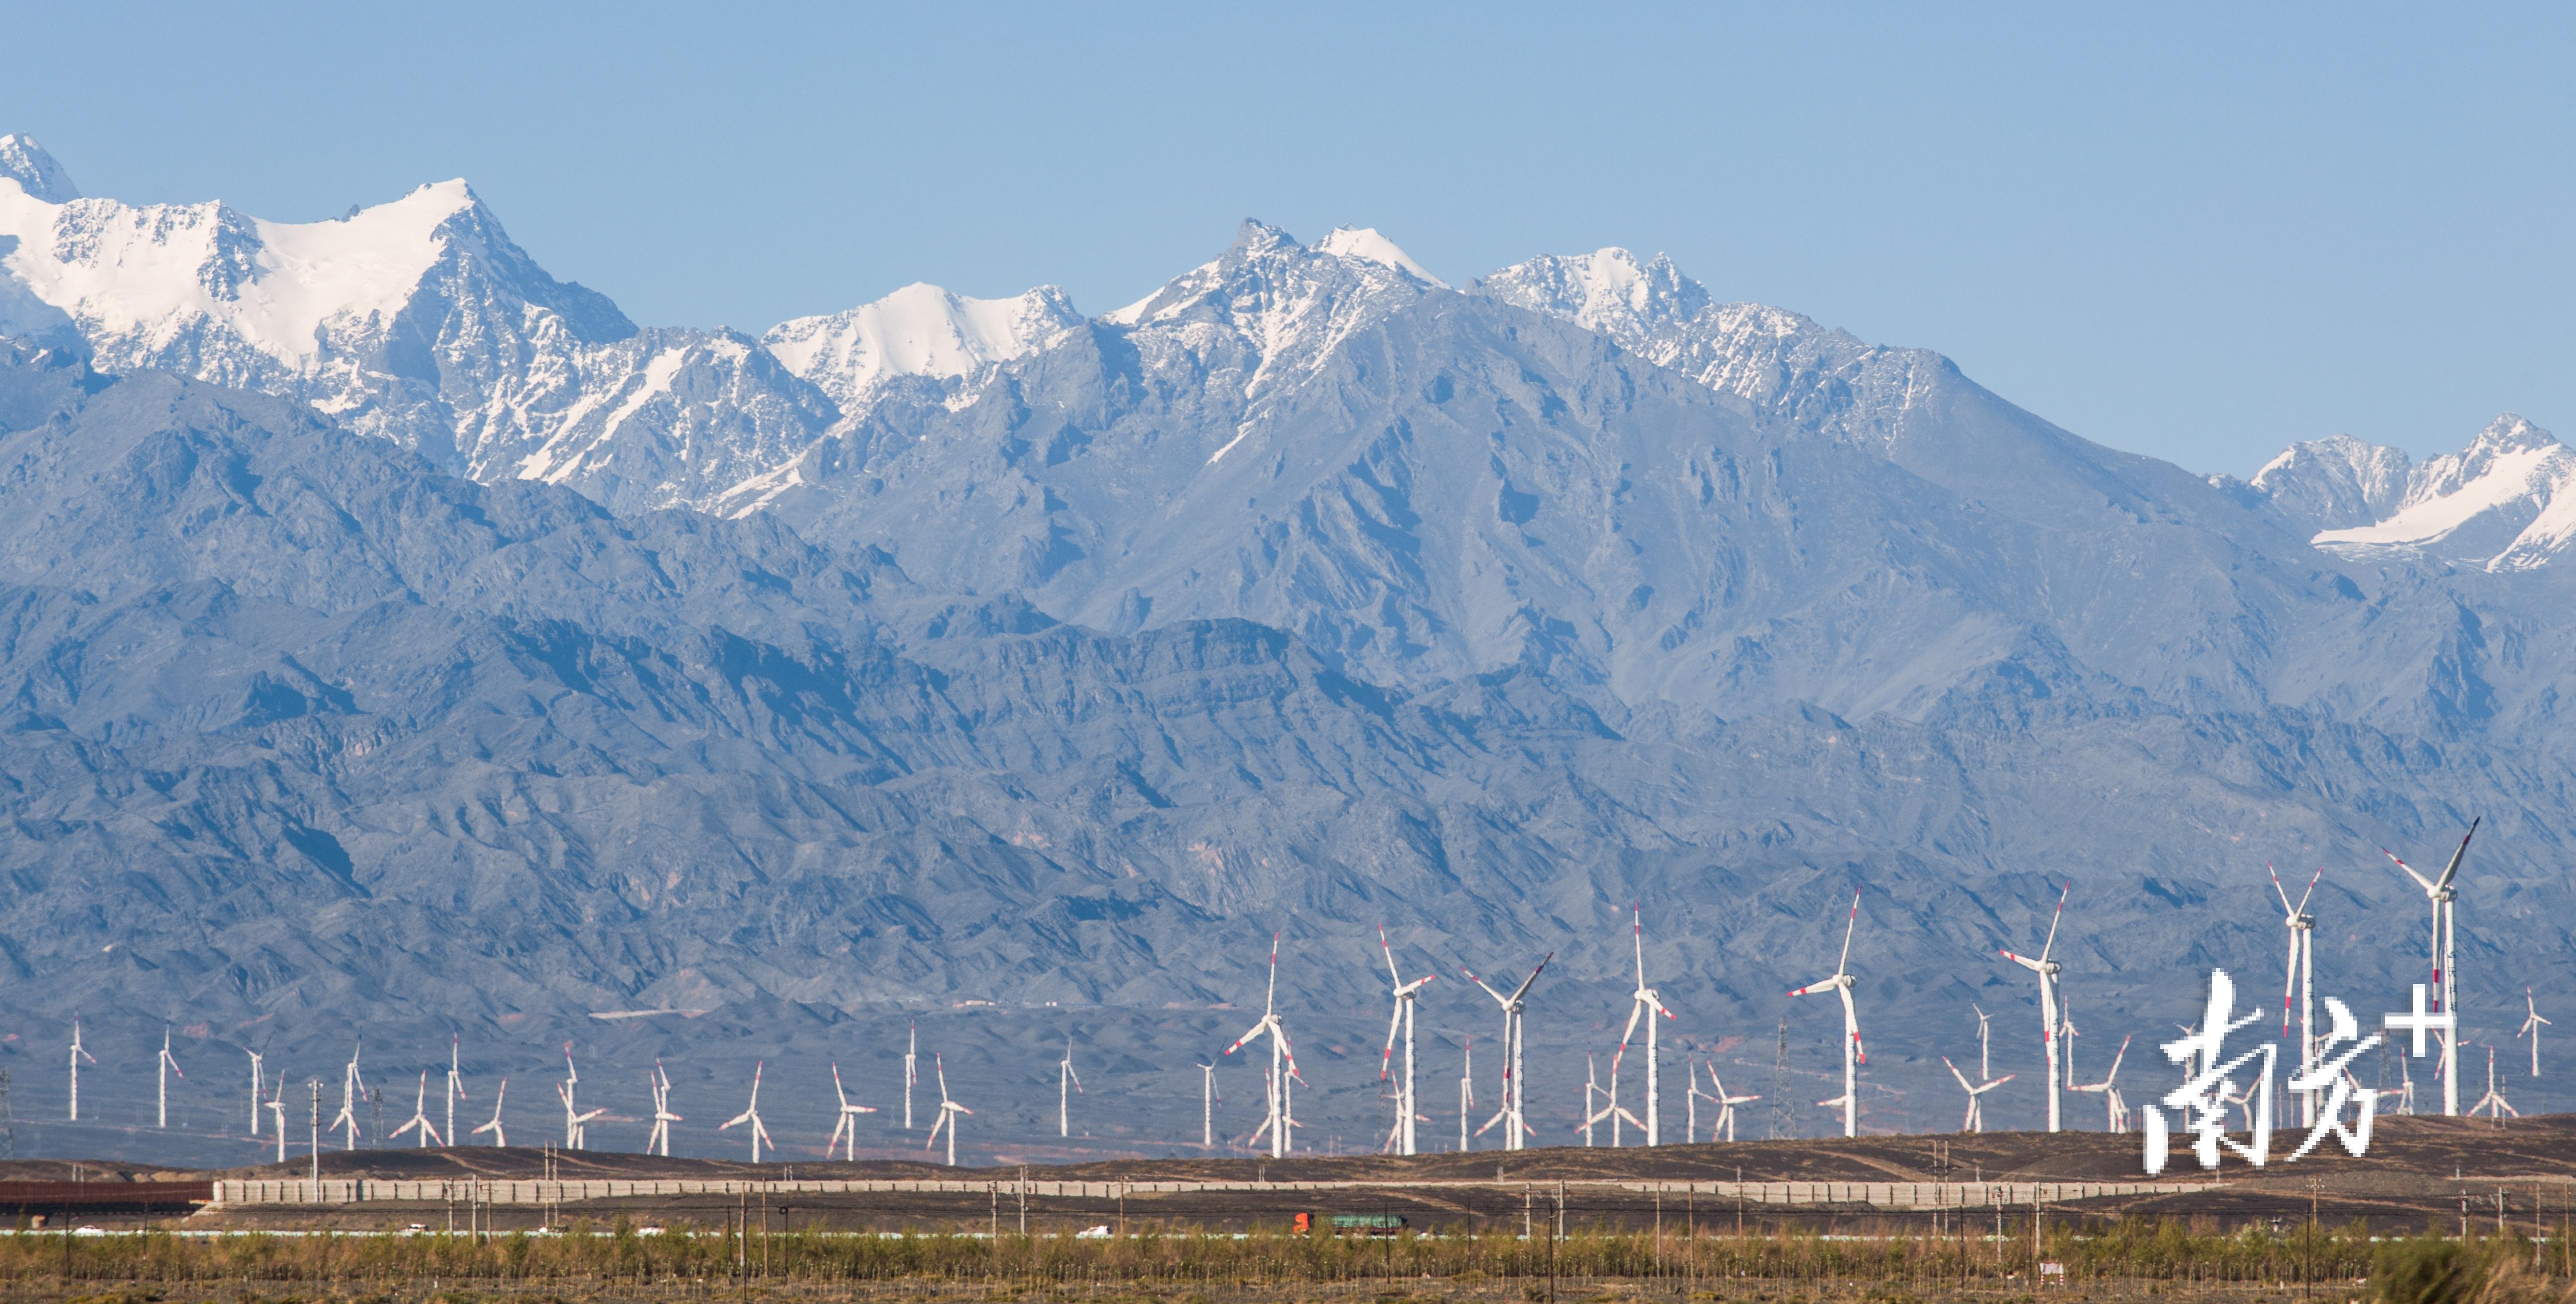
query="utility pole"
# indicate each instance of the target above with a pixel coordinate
(1780, 1125)
(315, 1084)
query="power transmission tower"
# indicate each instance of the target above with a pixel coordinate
(1780, 1124)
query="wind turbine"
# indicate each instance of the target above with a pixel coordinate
(2532, 1023)
(1404, 993)
(1976, 1119)
(2116, 1110)
(1611, 1112)
(1985, 1057)
(350, 1085)
(751, 1115)
(1466, 1089)
(1591, 1089)
(2301, 981)
(277, 1114)
(455, 1087)
(420, 1118)
(2047, 970)
(1691, 1097)
(1647, 1005)
(499, 1136)
(2443, 895)
(1841, 984)
(659, 1139)
(911, 1045)
(577, 1123)
(1207, 1105)
(949, 1111)
(77, 1056)
(2492, 1104)
(256, 1081)
(1278, 1123)
(845, 1130)
(1066, 1083)
(1725, 1106)
(169, 1065)
(1514, 1113)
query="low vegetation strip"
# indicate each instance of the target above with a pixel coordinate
(623, 1261)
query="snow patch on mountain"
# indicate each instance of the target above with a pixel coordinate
(1364, 243)
(919, 330)
(2506, 502)
(1824, 379)
(24, 161)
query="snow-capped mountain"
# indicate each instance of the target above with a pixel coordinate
(1822, 379)
(919, 330)
(418, 320)
(24, 161)
(2507, 502)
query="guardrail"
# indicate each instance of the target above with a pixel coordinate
(1880, 1195)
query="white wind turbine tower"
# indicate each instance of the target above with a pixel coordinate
(420, 1118)
(577, 1123)
(911, 1047)
(1278, 1123)
(1841, 984)
(1985, 1055)
(658, 1141)
(1404, 993)
(1591, 1091)
(2443, 894)
(455, 1087)
(751, 1115)
(949, 1112)
(169, 1065)
(256, 1082)
(1466, 1088)
(1976, 1119)
(1725, 1106)
(1691, 1096)
(499, 1136)
(350, 1085)
(1207, 1105)
(2047, 970)
(2492, 1104)
(1067, 1082)
(2300, 982)
(2532, 1023)
(1647, 1005)
(1514, 1112)
(77, 1056)
(2115, 1110)
(277, 1115)
(845, 1130)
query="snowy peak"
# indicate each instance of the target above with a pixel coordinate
(1270, 310)
(2506, 502)
(24, 161)
(2336, 482)
(1818, 378)
(919, 330)
(1365, 244)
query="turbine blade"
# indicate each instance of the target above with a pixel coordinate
(1845, 962)
(2420, 880)
(2452, 870)
(2051, 943)
(1523, 989)
(2313, 880)
(1390, 956)
(2278, 890)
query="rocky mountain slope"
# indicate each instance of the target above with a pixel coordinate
(1030, 670)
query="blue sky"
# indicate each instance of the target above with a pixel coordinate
(2197, 232)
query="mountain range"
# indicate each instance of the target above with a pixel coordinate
(402, 642)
